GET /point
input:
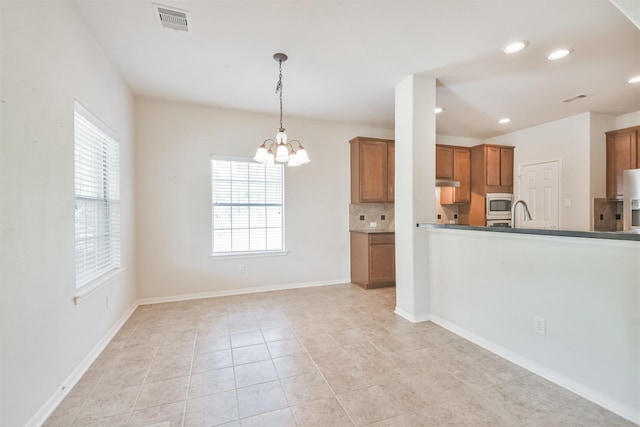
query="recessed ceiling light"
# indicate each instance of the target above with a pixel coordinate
(557, 54)
(635, 79)
(504, 121)
(439, 110)
(515, 47)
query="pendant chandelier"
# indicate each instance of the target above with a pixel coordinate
(280, 150)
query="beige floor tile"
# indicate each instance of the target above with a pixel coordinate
(117, 378)
(208, 344)
(243, 326)
(512, 404)
(243, 339)
(305, 388)
(170, 415)
(250, 354)
(301, 347)
(581, 413)
(66, 412)
(279, 418)
(211, 382)
(298, 364)
(162, 393)
(369, 405)
(321, 413)
(406, 393)
(212, 410)
(255, 373)
(112, 421)
(285, 347)
(500, 369)
(167, 368)
(555, 396)
(261, 398)
(108, 403)
(278, 334)
(214, 360)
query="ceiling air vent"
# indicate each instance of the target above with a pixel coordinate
(173, 19)
(575, 98)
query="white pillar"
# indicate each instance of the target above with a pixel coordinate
(415, 139)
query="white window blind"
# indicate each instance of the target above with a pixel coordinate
(97, 190)
(247, 206)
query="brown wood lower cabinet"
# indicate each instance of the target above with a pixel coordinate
(373, 259)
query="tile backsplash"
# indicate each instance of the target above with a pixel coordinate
(445, 214)
(606, 214)
(362, 215)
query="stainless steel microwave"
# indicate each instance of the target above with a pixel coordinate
(499, 205)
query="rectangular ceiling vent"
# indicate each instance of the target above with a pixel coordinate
(173, 19)
(575, 98)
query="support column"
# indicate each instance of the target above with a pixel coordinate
(415, 140)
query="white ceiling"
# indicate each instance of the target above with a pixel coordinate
(345, 57)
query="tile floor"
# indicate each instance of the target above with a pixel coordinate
(326, 356)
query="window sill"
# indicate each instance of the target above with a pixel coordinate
(94, 286)
(235, 255)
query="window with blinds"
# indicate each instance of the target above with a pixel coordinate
(247, 206)
(97, 190)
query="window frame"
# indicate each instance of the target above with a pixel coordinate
(250, 253)
(109, 202)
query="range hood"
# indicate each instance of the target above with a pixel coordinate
(447, 183)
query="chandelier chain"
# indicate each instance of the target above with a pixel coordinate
(279, 90)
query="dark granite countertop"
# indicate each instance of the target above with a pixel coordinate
(611, 235)
(372, 231)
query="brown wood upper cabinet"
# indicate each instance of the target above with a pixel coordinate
(623, 149)
(492, 167)
(454, 163)
(372, 170)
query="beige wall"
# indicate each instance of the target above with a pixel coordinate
(49, 59)
(174, 143)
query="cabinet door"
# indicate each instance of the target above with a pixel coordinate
(444, 162)
(506, 168)
(382, 264)
(462, 173)
(391, 172)
(621, 155)
(373, 172)
(492, 164)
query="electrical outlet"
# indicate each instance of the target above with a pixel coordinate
(539, 325)
(242, 268)
(373, 224)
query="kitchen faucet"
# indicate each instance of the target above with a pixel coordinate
(527, 214)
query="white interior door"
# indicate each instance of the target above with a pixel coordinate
(540, 189)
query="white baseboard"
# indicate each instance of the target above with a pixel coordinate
(594, 396)
(229, 292)
(412, 317)
(47, 409)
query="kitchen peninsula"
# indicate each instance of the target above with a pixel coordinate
(563, 304)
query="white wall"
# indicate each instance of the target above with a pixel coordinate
(49, 58)
(587, 290)
(628, 120)
(458, 140)
(174, 143)
(567, 140)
